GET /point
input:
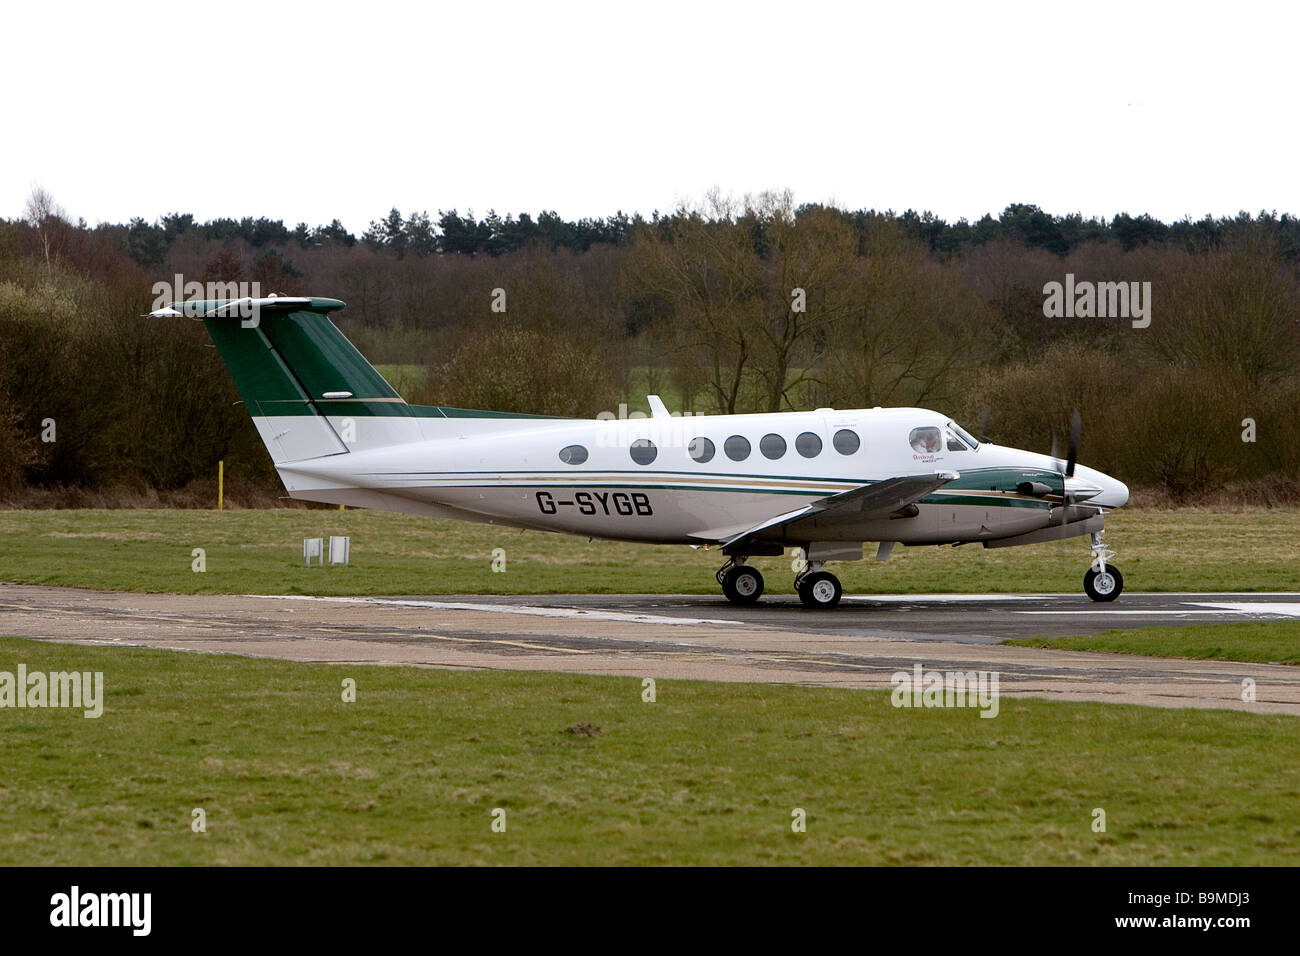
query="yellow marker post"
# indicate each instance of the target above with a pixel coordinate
(221, 482)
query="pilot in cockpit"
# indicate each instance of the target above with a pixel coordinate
(925, 441)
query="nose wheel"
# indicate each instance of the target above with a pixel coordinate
(1103, 585)
(1103, 582)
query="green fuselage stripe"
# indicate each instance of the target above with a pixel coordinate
(936, 499)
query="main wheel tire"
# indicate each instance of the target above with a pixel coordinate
(742, 584)
(1104, 585)
(819, 590)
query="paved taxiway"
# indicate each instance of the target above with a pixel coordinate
(858, 645)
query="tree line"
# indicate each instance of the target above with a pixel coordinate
(725, 305)
(450, 233)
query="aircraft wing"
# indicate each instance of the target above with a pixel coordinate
(880, 499)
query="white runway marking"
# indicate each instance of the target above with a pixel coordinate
(945, 598)
(525, 609)
(1118, 612)
(979, 598)
(1260, 607)
(1278, 609)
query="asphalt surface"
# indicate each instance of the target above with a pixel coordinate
(964, 618)
(861, 644)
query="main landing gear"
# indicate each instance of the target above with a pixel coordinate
(1103, 582)
(743, 584)
(740, 583)
(818, 589)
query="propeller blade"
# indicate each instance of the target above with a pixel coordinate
(984, 424)
(1076, 429)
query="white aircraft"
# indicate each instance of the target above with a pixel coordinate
(823, 481)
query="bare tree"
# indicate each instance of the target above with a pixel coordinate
(912, 333)
(745, 289)
(49, 220)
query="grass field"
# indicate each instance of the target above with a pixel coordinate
(1263, 642)
(261, 552)
(286, 772)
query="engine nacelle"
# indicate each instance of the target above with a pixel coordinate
(1035, 488)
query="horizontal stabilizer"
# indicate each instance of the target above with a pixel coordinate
(246, 307)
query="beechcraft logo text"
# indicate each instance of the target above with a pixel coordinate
(102, 909)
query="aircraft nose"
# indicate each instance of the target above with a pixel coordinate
(1117, 498)
(1114, 493)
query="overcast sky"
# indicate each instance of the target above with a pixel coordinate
(311, 111)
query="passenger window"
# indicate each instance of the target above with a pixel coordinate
(808, 445)
(846, 442)
(643, 451)
(573, 455)
(736, 448)
(772, 446)
(701, 449)
(925, 441)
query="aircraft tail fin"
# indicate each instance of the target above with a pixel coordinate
(303, 382)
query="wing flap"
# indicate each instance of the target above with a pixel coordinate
(879, 499)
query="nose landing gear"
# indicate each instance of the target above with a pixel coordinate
(1103, 582)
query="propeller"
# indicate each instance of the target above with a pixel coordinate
(1066, 467)
(1072, 450)
(984, 424)
(1072, 457)
(1075, 492)
(1072, 493)
(1076, 429)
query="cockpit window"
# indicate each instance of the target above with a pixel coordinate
(954, 443)
(964, 435)
(925, 440)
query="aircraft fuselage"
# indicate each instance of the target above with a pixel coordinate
(696, 479)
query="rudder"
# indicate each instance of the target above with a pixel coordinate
(294, 370)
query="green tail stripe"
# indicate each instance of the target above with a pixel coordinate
(295, 358)
(322, 358)
(288, 362)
